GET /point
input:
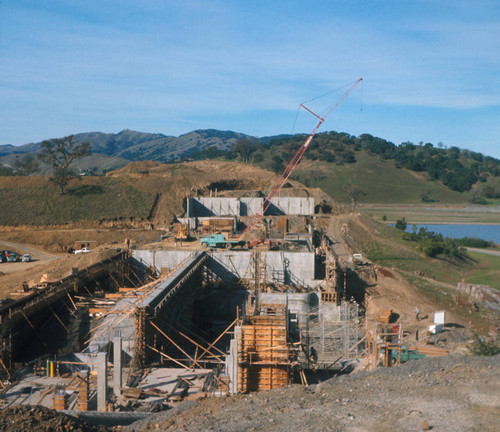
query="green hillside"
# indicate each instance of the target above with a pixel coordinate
(378, 170)
(364, 168)
(379, 180)
(36, 201)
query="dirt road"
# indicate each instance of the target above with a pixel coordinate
(484, 251)
(38, 256)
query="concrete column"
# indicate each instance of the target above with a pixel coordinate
(102, 380)
(232, 362)
(117, 367)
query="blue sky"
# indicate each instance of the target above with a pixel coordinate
(431, 69)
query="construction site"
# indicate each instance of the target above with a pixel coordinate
(249, 316)
(211, 308)
(245, 291)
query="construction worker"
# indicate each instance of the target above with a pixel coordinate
(417, 313)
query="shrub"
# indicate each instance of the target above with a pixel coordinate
(401, 224)
(483, 347)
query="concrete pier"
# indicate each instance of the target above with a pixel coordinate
(117, 364)
(102, 381)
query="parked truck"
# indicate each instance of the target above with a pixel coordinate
(219, 241)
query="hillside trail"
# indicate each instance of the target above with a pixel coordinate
(484, 251)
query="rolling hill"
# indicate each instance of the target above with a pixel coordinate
(136, 146)
(336, 162)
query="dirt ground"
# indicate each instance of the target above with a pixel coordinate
(454, 393)
(446, 394)
(31, 418)
(57, 267)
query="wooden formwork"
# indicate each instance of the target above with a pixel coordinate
(380, 341)
(264, 353)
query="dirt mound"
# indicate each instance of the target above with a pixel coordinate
(37, 418)
(454, 393)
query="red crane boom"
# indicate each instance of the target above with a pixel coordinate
(275, 190)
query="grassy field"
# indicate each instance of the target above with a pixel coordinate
(380, 180)
(475, 267)
(421, 214)
(409, 260)
(486, 271)
(38, 201)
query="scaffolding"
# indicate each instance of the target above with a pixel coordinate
(332, 331)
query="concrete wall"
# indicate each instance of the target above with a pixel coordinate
(250, 206)
(291, 206)
(292, 268)
(214, 206)
(161, 259)
(207, 207)
(298, 303)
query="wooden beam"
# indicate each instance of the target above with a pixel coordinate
(71, 300)
(168, 357)
(212, 345)
(58, 319)
(173, 343)
(34, 329)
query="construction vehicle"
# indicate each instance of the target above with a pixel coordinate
(181, 232)
(261, 243)
(219, 241)
(357, 258)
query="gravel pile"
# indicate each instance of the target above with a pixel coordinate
(455, 393)
(37, 418)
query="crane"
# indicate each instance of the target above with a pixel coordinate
(278, 185)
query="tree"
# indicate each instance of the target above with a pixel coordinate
(27, 165)
(277, 164)
(426, 196)
(355, 193)
(245, 148)
(401, 224)
(60, 154)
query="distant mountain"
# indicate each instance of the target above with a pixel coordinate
(137, 146)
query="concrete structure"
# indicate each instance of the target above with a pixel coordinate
(231, 362)
(291, 206)
(211, 207)
(208, 207)
(152, 300)
(117, 364)
(250, 206)
(22, 321)
(297, 303)
(283, 267)
(102, 381)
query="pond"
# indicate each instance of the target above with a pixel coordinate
(485, 232)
